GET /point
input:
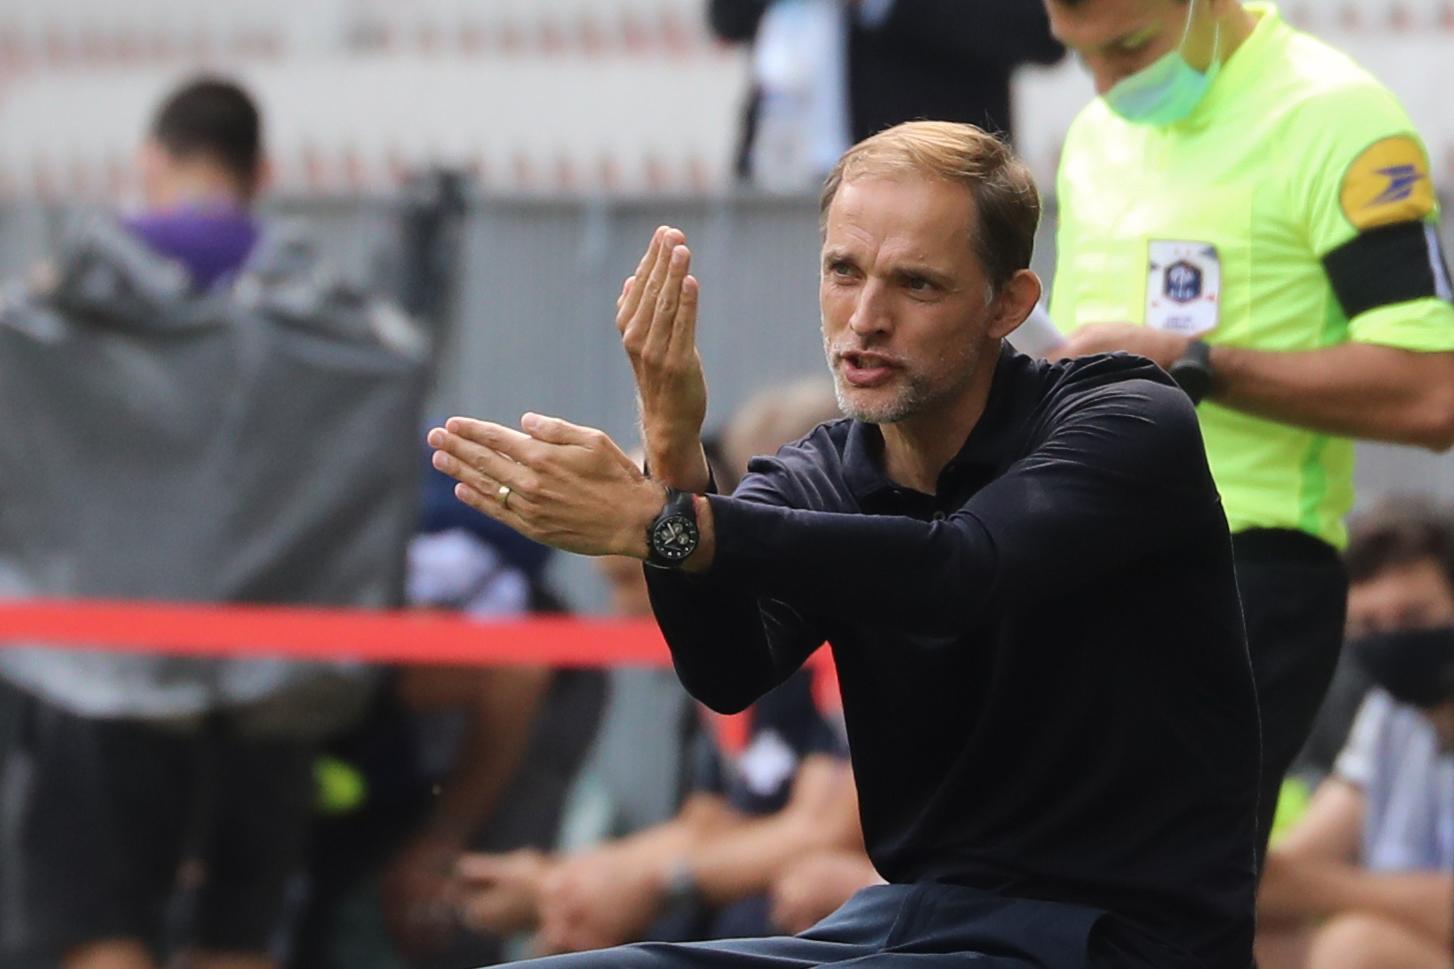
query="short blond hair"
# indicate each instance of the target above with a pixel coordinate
(1005, 199)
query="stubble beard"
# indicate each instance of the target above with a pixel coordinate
(915, 393)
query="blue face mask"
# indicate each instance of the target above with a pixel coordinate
(1169, 89)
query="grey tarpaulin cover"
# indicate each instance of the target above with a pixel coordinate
(256, 443)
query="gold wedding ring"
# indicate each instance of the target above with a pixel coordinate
(502, 495)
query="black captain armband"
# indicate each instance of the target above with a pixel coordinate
(1389, 264)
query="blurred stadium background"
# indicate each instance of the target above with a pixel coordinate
(568, 128)
(498, 166)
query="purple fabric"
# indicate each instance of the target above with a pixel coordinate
(211, 243)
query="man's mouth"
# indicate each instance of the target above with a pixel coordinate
(862, 368)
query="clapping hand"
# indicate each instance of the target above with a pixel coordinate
(555, 482)
(571, 487)
(656, 315)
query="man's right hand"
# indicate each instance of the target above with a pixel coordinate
(597, 899)
(657, 318)
(812, 888)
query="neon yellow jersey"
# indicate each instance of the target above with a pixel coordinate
(1220, 225)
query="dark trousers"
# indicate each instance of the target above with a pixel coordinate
(923, 926)
(98, 817)
(1294, 599)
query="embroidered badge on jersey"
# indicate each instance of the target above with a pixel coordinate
(1183, 287)
(1388, 183)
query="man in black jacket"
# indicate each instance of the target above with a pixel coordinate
(1023, 569)
(950, 60)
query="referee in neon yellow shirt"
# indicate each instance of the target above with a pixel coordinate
(1249, 208)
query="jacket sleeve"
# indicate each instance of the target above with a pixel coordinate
(1122, 476)
(729, 644)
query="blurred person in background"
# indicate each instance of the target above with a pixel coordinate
(767, 786)
(169, 366)
(1366, 878)
(829, 73)
(450, 759)
(774, 417)
(1389, 528)
(1250, 209)
(704, 873)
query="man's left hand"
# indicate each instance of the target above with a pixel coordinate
(415, 895)
(568, 486)
(657, 318)
(1159, 346)
(500, 893)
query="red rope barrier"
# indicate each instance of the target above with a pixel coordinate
(311, 633)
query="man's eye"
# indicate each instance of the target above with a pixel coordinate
(840, 269)
(918, 284)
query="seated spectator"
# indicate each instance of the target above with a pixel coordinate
(1363, 880)
(1403, 521)
(776, 415)
(451, 759)
(788, 793)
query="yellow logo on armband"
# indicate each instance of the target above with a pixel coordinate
(1388, 183)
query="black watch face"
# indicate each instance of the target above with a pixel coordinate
(674, 538)
(1193, 378)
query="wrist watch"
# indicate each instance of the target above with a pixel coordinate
(1192, 371)
(673, 535)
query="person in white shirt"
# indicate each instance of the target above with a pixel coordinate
(1364, 878)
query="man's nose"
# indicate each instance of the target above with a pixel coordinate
(870, 310)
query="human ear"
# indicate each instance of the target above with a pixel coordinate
(1016, 298)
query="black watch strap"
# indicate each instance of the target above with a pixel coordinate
(673, 535)
(1192, 371)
